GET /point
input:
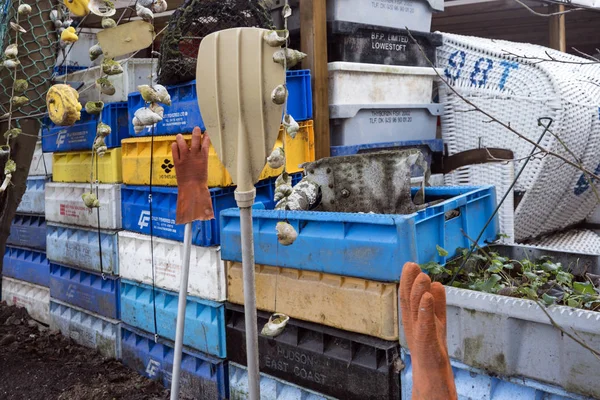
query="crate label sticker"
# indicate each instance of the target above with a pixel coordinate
(21, 234)
(70, 210)
(299, 363)
(158, 223)
(390, 117)
(167, 167)
(75, 250)
(167, 270)
(152, 368)
(389, 41)
(71, 137)
(175, 119)
(401, 6)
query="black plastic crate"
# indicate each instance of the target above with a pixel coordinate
(351, 42)
(329, 361)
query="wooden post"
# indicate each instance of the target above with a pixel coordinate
(558, 39)
(313, 31)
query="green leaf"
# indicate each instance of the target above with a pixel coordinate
(573, 303)
(442, 252)
(529, 292)
(564, 277)
(549, 300)
(495, 267)
(584, 287)
(434, 268)
(489, 285)
(478, 257)
(530, 275)
(550, 266)
(508, 266)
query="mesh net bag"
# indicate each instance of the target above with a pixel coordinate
(37, 54)
(507, 81)
(197, 19)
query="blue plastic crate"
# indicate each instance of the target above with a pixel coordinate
(79, 247)
(368, 246)
(202, 376)
(28, 231)
(26, 265)
(33, 201)
(204, 319)
(427, 147)
(86, 290)
(67, 69)
(183, 115)
(472, 383)
(300, 104)
(81, 135)
(135, 209)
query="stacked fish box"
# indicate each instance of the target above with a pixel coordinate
(25, 272)
(338, 283)
(381, 80)
(151, 245)
(82, 242)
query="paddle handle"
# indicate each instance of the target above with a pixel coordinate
(245, 200)
(185, 273)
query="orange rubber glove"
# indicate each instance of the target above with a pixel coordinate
(423, 306)
(191, 167)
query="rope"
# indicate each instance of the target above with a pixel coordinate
(98, 213)
(150, 203)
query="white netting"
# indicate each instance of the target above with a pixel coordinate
(518, 91)
(499, 174)
(576, 241)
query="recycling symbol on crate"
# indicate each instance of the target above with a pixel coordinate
(583, 184)
(167, 166)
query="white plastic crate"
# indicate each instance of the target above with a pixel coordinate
(414, 14)
(356, 83)
(207, 271)
(64, 205)
(136, 72)
(41, 163)
(35, 299)
(86, 328)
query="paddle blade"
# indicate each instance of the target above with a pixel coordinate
(126, 38)
(235, 77)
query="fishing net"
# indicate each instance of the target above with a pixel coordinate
(196, 19)
(37, 54)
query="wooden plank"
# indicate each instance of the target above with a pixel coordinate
(313, 31)
(558, 38)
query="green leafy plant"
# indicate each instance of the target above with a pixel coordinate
(541, 280)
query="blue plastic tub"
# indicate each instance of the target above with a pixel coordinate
(472, 383)
(28, 231)
(26, 265)
(68, 69)
(33, 201)
(368, 246)
(204, 320)
(183, 115)
(85, 290)
(135, 209)
(81, 135)
(300, 104)
(427, 147)
(79, 247)
(202, 376)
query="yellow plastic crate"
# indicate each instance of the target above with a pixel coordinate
(350, 304)
(76, 166)
(136, 159)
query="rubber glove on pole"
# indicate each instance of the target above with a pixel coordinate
(423, 306)
(191, 166)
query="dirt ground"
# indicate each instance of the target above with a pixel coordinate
(36, 364)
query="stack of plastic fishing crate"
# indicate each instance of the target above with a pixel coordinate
(151, 244)
(380, 80)
(82, 242)
(25, 272)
